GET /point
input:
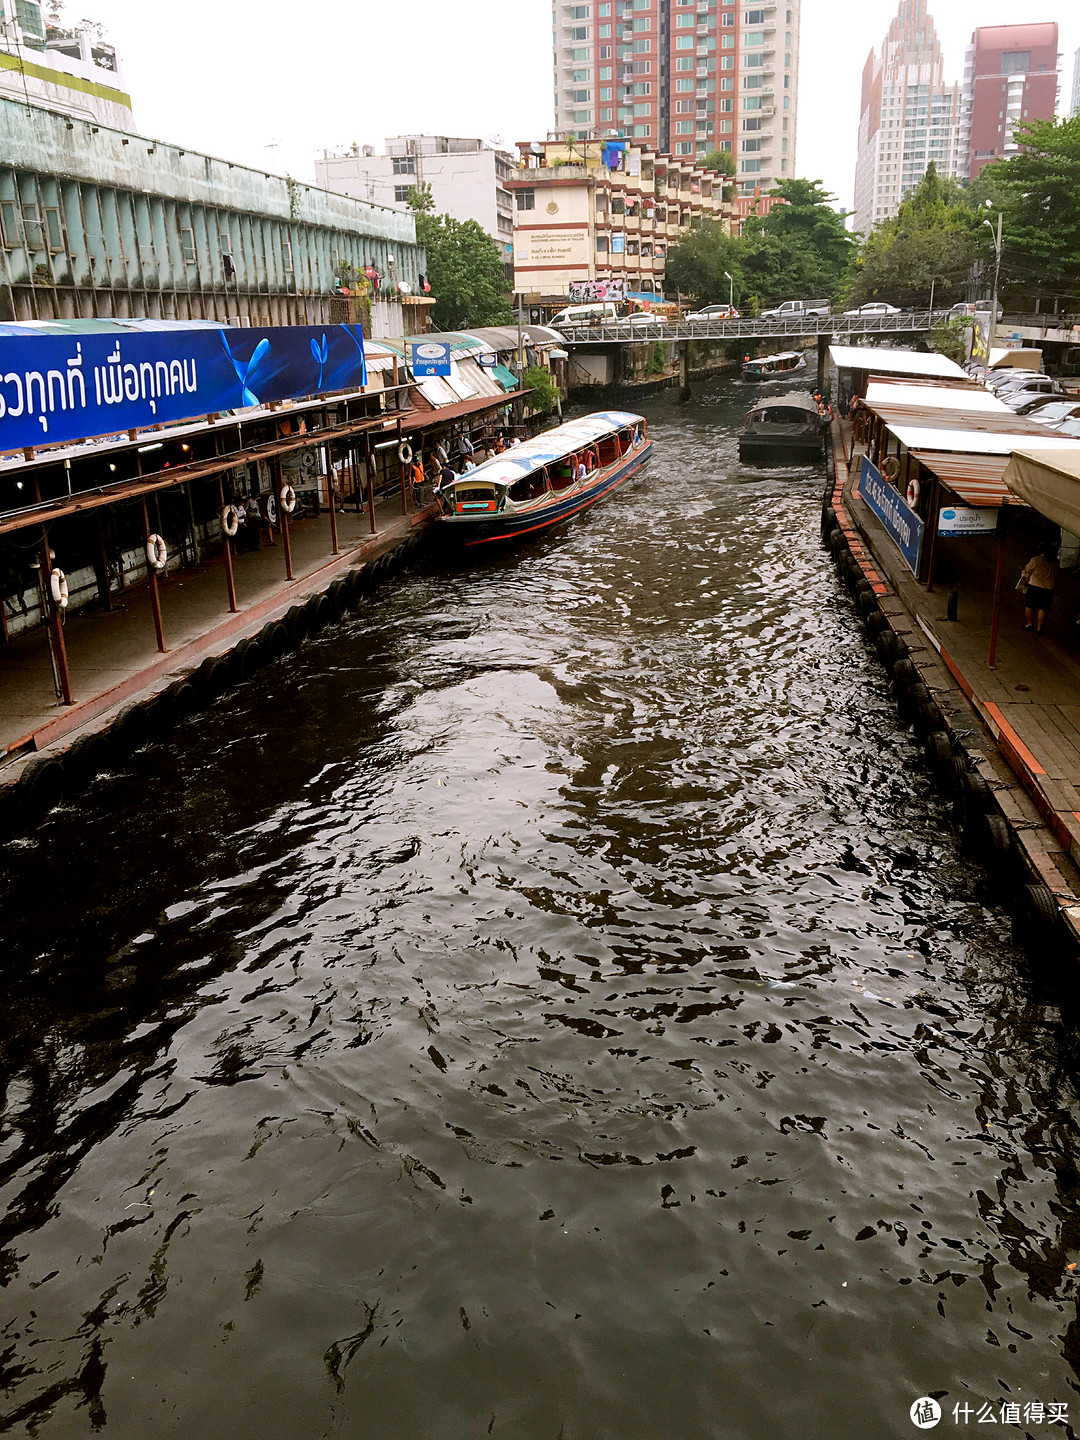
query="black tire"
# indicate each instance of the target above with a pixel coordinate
(280, 640)
(974, 798)
(131, 729)
(837, 543)
(939, 756)
(904, 674)
(247, 658)
(41, 786)
(213, 677)
(161, 715)
(1036, 921)
(185, 699)
(995, 840)
(875, 622)
(341, 595)
(866, 600)
(357, 584)
(885, 644)
(298, 623)
(317, 616)
(89, 755)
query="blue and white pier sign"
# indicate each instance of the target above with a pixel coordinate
(903, 525)
(429, 358)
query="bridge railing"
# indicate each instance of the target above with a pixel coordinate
(808, 327)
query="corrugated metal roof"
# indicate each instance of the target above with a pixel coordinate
(975, 423)
(972, 441)
(977, 479)
(893, 393)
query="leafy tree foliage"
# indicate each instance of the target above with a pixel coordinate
(465, 271)
(696, 265)
(800, 250)
(927, 247)
(1038, 193)
(720, 161)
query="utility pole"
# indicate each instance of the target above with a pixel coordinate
(992, 335)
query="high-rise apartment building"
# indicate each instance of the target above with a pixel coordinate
(909, 116)
(1074, 108)
(683, 77)
(1010, 75)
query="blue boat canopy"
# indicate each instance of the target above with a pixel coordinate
(551, 447)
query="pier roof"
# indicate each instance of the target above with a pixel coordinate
(893, 396)
(880, 360)
(976, 479)
(1049, 481)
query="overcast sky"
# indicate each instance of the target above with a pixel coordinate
(238, 80)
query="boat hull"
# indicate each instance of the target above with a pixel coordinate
(469, 531)
(765, 450)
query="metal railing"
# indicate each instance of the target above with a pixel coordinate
(808, 327)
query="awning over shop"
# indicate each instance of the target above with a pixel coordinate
(880, 360)
(1049, 480)
(506, 378)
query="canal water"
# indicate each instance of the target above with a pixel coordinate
(553, 1006)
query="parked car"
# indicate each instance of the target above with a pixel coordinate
(714, 312)
(642, 321)
(792, 309)
(873, 307)
(1071, 428)
(1025, 380)
(1020, 394)
(1052, 404)
(575, 317)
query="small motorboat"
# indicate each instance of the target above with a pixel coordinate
(786, 430)
(773, 367)
(545, 480)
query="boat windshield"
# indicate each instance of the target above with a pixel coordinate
(469, 497)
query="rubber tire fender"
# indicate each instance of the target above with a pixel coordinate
(185, 699)
(131, 728)
(298, 623)
(1036, 920)
(41, 785)
(939, 755)
(88, 756)
(213, 676)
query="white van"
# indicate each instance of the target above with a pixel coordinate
(577, 316)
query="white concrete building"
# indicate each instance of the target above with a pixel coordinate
(909, 116)
(68, 69)
(467, 179)
(1074, 108)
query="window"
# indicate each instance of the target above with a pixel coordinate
(603, 10)
(526, 199)
(1015, 61)
(726, 106)
(604, 32)
(643, 87)
(752, 102)
(751, 145)
(684, 22)
(404, 165)
(753, 82)
(187, 244)
(580, 77)
(601, 244)
(579, 97)
(605, 71)
(751, 167)
(286, 256)
(727, 83)
(580, 117)
(684, 127)
(728, 19)
(605, 92)
(684, 84)
(54, 230)
(35, 239)
(753, 124)
(683, 107)
(642, 47)
(605, 54)
(579, 55)
(727, 62)
(684, 42)
(9, 223)
(579, 12)
(579, 32)
(605, 115)
(684, 62)
(645, 24)
(754, 17)
(751, 60)
(642, 109)
(401, 193)
(684, 147)
(754, 37)
(727, 42)
(632, 247)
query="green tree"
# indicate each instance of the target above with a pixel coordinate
(465, 270)
(696, 265)
(721, 161)
(821, 248)
(927, 248)
(1038, 193)
(420, 199)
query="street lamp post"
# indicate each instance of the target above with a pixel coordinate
(731, 290)
(992, 336)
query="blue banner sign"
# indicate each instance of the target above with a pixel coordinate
(429, 358)
(903, 525)
(70, 387)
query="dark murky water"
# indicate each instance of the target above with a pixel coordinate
(554, 1006)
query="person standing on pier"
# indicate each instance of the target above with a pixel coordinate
(1038, 577)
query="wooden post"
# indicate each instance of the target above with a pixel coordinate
(1003, 526)
(684, 370)
(401, 474)
(822, 360)
(56, 630)
(330, 498)
(278, 483)
(226, 550)
(151, 572)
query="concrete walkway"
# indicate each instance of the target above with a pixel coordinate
(113, 656)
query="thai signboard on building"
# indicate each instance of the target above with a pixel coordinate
(70, 387)
(429, 358)
(551, 247)
(904, 527)
(967, 520)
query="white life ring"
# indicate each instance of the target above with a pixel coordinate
(890, 467)
(271, 509)
(404, 453)
(288, 499)
(157, 552)
(58, 587)
(913, 492)
(230, 520)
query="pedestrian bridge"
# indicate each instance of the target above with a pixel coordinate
(809, 327)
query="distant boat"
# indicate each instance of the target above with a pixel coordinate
(770, 367)
(537, 484)
(786, 430)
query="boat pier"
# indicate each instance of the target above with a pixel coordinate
(994, 705)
